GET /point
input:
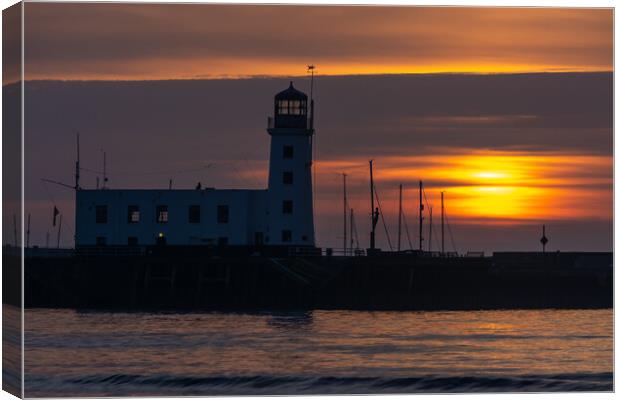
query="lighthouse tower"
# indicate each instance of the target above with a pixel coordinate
(291, 216)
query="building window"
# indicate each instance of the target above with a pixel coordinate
(222, 214)
(287, 236)
(287, 151)
(287, 178)
(101, 214)
(287, 207)
(132, 241)
(133, 214)
(222, 241)
(161, 214)
(101, 241)
(194, 214)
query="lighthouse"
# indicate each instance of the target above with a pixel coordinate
(290, 220)
(280, 216)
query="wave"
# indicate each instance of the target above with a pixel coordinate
(261, 384)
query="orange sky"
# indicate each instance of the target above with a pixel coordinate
(163, 41)
(487, 186)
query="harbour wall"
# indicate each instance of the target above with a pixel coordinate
(386, 282)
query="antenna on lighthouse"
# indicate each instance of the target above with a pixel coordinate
(311, 70)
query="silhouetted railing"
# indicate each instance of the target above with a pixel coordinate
(343, 252)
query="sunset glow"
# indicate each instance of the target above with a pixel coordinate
(502, 187)
(163, 41)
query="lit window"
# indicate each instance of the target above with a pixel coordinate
(282, 107)
(287, 207)
(287, 178)
(133, 214)
(161, 214)
(295, 107)
(291, 107)
(101, 214)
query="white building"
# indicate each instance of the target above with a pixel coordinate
(280, 215)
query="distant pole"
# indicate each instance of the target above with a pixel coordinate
(47, 240)
(544, 240)
(372, 209)
(430, 228)
(97, 182)
(58, 237)
(28, 233)
(15, 228)
(170, 185)
(351, 232)
(77, 164)
(344, 212)
(400, 213)
(421, 217)
(105, 176)
(442, 233)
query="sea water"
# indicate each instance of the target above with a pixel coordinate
(81, 353)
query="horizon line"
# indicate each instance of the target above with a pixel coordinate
(280, 76)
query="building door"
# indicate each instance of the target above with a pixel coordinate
(258, 238)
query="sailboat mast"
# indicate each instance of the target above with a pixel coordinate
(400, 213)
(442, 233)
(77, 164)
(59, 228)
(344, 212)
(430, 228)
(351, 232)
(421, 217)
(372, 209)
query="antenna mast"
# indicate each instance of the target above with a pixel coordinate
(105, 176)
(311, 70)
(421, 217)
